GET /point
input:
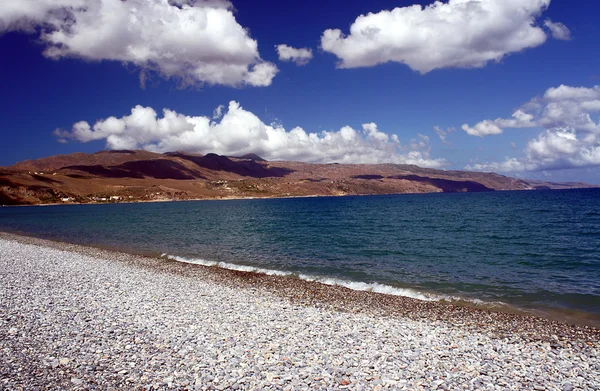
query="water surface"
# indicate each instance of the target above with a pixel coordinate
(534, 250)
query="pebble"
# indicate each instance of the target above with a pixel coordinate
(76, 381)
(95, 319)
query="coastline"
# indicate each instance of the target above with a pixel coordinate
(343, 294)
(233, 198)
(283, 197)
(359, 339)
(237, 198)
(339, 298)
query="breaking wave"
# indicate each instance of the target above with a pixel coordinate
(229, 266)
(353, 285)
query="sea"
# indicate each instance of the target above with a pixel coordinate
(526, 251)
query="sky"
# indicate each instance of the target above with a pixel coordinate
(509, 86)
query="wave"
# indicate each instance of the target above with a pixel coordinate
(370, 287)
(353, 285)
(229, 266)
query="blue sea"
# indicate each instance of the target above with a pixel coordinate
(534, 251)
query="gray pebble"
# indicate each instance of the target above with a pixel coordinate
(123, 323)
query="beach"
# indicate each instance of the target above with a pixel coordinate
(75, 317)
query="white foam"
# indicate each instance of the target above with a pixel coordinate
(195, 261)
(354, 285)
(252, 269)
(371, 287)
(229, 266)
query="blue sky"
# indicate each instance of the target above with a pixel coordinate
(360, 105)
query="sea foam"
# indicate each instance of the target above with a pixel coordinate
(353, 285)
(229, 266)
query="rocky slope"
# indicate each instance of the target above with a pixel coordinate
(117, 176)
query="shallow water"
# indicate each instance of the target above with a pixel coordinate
(533, 250)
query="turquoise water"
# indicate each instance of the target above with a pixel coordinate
(533, 250)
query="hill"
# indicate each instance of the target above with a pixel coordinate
(117, 176)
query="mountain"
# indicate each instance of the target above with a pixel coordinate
(252, 156)
(116, 176)
(105, 158)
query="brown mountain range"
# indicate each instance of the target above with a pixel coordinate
(117, 176)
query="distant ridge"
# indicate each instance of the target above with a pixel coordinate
(243, 168)
(105, 158)
(252, 156)
(125, 175)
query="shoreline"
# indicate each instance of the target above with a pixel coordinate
(541, 325)
(213, 199)
(76, 317)
(283, 197)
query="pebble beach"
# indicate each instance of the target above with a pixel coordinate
(81, 318)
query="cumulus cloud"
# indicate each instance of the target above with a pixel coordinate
(571, 137)
(453, 34)
(192, 41)
(483, 128)
(240, 131)
(558, 30)
(519, 119)
(299, 56)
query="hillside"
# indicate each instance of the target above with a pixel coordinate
(118, 176)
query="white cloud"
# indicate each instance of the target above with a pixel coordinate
(484, 128)
(420, 143)
(453, 34)
(519, 119)
(239, 132)
(192, 41)
(558, 30)
(299, 56)
(218, 113)
(571, 137)
(203, 3)
(508, 165)
(442, 134)
(374, 133)
(564, 92)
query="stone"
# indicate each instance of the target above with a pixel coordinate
(76, 381)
